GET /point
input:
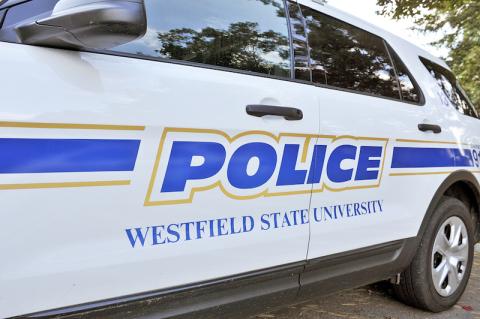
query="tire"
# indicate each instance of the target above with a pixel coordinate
(417, 287)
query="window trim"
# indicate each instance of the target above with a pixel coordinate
(305, 28)
(395, 70)
(290, 39)
(243, 72)
(225, 69)
(257, 74)
(393, 53)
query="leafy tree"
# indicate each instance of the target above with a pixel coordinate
(460, 20)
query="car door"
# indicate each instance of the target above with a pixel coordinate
(368, 193)
(139, 169)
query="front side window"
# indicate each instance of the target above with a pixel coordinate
(453, 94)
(250, 35)
(347, 57)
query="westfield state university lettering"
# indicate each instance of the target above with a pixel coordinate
(259, 164)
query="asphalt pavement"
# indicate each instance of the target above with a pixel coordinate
(376, 302)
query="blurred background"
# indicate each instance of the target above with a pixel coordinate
(449, 29)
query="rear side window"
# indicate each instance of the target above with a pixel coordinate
(348, 57)
(452, 92)
(250, 35)
(466, 106)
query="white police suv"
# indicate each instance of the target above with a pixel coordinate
(196, 158)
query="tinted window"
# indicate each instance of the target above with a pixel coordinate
(452, 92)
(410, 91)
(347, 57)
(248, 35)
(465, 106)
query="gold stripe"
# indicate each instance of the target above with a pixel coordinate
(429, 173)
(421, 173)
(358, 138)
(155, 171)
(64, 185)
(382, 169)
(72, 126)
(402, 140)
(305, 149)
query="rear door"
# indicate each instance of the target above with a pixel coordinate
(361, 198)
(139, 169)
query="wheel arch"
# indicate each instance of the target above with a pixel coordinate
(462, 185)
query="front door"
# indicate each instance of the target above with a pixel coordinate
(157, 174)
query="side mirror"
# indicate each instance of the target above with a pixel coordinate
(87, 24)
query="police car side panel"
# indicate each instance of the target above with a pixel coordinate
(122, 227)
(95, 223)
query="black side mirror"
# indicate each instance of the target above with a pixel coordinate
(87, 24)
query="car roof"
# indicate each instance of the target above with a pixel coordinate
(391, 38)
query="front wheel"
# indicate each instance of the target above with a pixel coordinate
(439, 272)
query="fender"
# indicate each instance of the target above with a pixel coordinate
(461, 176)
(410, 245)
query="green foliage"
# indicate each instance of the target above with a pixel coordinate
(460, 20)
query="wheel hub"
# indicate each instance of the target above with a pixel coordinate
(450, 256)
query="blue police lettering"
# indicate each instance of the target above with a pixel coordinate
(258, 165)
(180, 168)
(189, 231)
(318, 161)
(288, 174)
(368, 168)
(237, 168)
(335, 212)
(277, 220)
(335, 173)
(161, 235)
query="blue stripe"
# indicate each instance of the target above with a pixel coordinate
(415, 157)
(66, 155)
